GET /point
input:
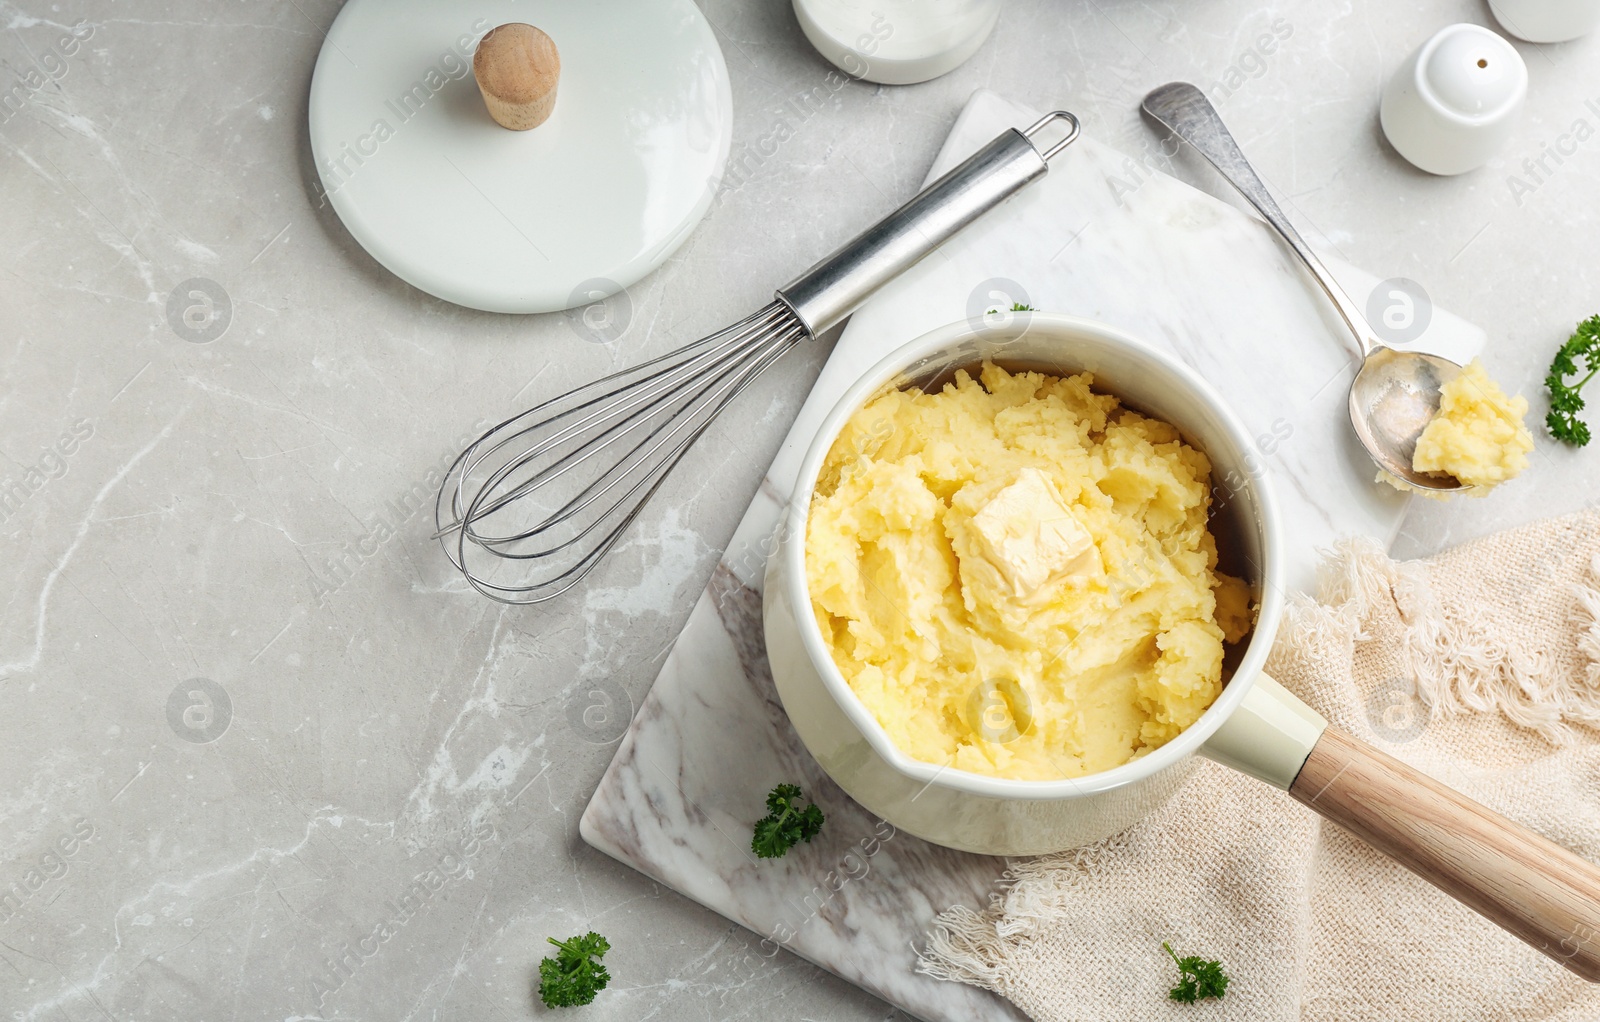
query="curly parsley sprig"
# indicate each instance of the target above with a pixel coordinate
(575, 974)
(1199, 978)
(786, 825)
(1565, 401)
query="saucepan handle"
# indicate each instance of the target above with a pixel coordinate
(1526, 883)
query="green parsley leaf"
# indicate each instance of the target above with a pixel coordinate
(1015, 307)
(1198, 978)
(575, 974)
(1565, 401)
(786, 824)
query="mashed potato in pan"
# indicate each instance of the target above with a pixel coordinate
(1015, 575)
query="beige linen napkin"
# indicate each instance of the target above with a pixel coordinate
(1481, 667)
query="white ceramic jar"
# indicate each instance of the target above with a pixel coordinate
(1547, 21)
(897, 42)
(1455, 101)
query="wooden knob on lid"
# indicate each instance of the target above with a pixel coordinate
(517, 67)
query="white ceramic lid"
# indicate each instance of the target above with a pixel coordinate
(533, 221)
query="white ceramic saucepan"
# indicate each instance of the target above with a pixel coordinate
(1525, 883)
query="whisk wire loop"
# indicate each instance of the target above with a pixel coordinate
(514, 495)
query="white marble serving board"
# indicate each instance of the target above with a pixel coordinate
(1103, 237)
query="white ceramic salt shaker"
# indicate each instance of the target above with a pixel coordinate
(1455, 101)
(1547, 21)
(897, 42)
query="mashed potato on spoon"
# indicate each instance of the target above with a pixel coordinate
(1478, 435)
(1015, 575)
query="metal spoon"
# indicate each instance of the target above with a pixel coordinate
(1395, 393)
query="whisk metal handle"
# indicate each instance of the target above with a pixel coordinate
(834, 288)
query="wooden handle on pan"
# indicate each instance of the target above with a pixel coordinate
(1527, 884)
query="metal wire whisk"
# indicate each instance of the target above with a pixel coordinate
(535, 503)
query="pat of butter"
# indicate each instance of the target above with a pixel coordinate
(1031, 538)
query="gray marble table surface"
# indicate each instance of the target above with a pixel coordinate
(261, 755)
